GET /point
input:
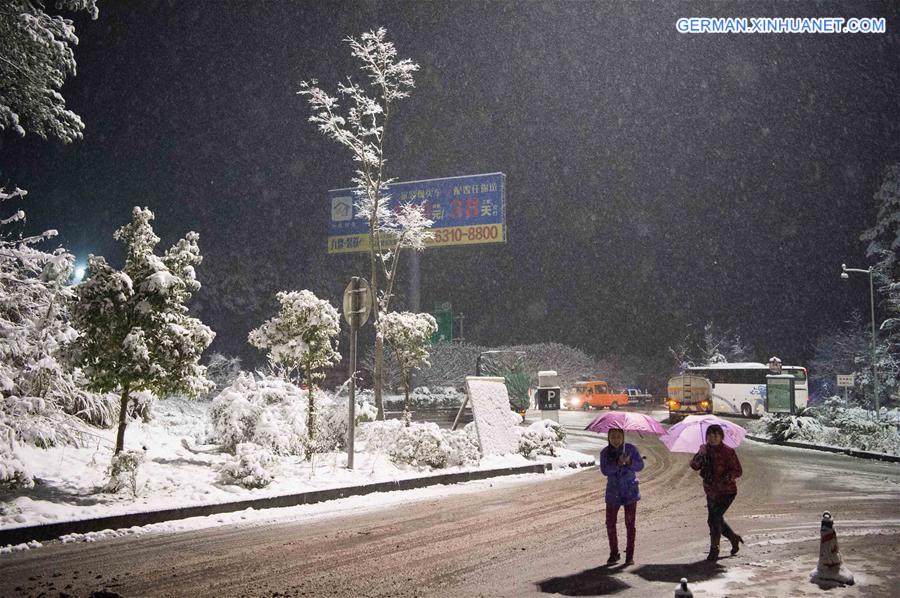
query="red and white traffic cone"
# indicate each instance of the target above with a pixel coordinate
(830, 567)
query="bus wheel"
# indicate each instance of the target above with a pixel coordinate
(613, 406)
(586, 407)
(746, 410)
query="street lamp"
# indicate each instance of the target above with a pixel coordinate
(871, 272)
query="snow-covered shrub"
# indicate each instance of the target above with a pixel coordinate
(123, 471)
(252, 466)
(365, 412)
(380, 436)
(272, 413)
(782, 427)
(13, 472)
(463, 446)
(832, 423)
(542, 437)
(421, 444)
(97, 409)
(40, 422)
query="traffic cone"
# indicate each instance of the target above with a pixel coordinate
(682, 590)
(830, 567)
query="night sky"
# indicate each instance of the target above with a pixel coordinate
(655, 180)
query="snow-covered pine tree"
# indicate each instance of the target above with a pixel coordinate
(301, 341)
(136, 333)
(883, 245)
(409, 335)
(36, 56)
(362, 131)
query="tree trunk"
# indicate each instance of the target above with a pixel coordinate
(379, 375)
(407, 417)
(310, 419)
(123, 410)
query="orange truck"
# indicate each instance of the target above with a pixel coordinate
(594, 394)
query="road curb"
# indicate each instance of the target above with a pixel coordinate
(51, 531)
(830, 449)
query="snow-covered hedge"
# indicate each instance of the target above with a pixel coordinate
(834, 424)
(252, 467)
(272, 413)
(421, 444)
(542, 437)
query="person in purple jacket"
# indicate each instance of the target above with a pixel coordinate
(619, 462)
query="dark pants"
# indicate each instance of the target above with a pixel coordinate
(612, 514)
(716, 507)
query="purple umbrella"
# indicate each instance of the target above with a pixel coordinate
(687, 435)
(627, 421)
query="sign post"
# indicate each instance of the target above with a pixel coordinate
(357, 305)
(846, 381)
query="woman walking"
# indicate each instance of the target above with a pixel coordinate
(619, 462)
(719, 466)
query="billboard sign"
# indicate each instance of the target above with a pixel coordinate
(466, 210)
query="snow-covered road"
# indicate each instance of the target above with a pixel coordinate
(514, 538)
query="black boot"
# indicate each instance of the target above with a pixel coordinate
(736, 542)
(613, 558)
(713, 547)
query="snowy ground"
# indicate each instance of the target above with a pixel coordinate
(181, 471)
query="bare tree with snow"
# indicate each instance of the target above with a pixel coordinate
(362, 129)
(136, 333)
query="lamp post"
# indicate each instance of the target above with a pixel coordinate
(871, 272)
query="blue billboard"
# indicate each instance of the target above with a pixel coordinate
(466, 210)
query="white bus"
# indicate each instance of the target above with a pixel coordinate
(741, 387)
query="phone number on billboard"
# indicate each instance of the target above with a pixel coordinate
(463, 235)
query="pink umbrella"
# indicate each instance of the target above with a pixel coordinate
(687, 435)
(627, 421)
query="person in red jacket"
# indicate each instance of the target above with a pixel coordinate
(719, 466)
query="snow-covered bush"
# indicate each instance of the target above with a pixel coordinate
(123, 471)
(252, 467)
(542, 437)
(833, 424)
(421, 444)
(380, 436)
(365, 412)
(782, 427)
(13, 472)
(462, 445)
(271, 412)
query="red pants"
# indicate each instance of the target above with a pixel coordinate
(612, 514)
